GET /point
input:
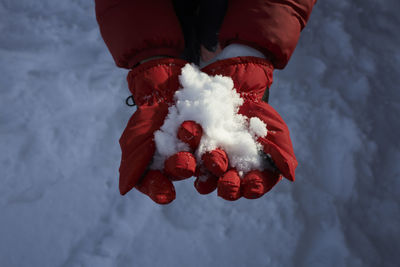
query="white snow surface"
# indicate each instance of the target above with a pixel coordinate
(213, 102)
(62, 111)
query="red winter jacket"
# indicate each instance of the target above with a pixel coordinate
(135, 30)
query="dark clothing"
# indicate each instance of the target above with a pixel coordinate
(200, 22)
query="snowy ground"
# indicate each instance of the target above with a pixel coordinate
(62, 111)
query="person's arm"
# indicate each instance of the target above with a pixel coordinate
(135, 30)
(258, 36)
(139, 34)
(270, 26)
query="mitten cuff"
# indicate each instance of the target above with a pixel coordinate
(155, 81)
(251, 75)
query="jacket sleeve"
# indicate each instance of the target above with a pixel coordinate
(271, 26)
(134, 30)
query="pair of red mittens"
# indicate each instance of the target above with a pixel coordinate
(153, 85)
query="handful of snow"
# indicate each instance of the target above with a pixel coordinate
(212, 102)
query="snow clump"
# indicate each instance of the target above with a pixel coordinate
(212, 102)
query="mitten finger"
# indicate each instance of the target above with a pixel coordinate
(284, 161)
(216, 161)
(229, 185)
(137, 144)
(133, 166)
(256, 183)
(181, 165)
(277, 143)
(206, 183)
(158, 187)
(190, 133)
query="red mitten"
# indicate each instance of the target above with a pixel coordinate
(251, 77)
(152, 85)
